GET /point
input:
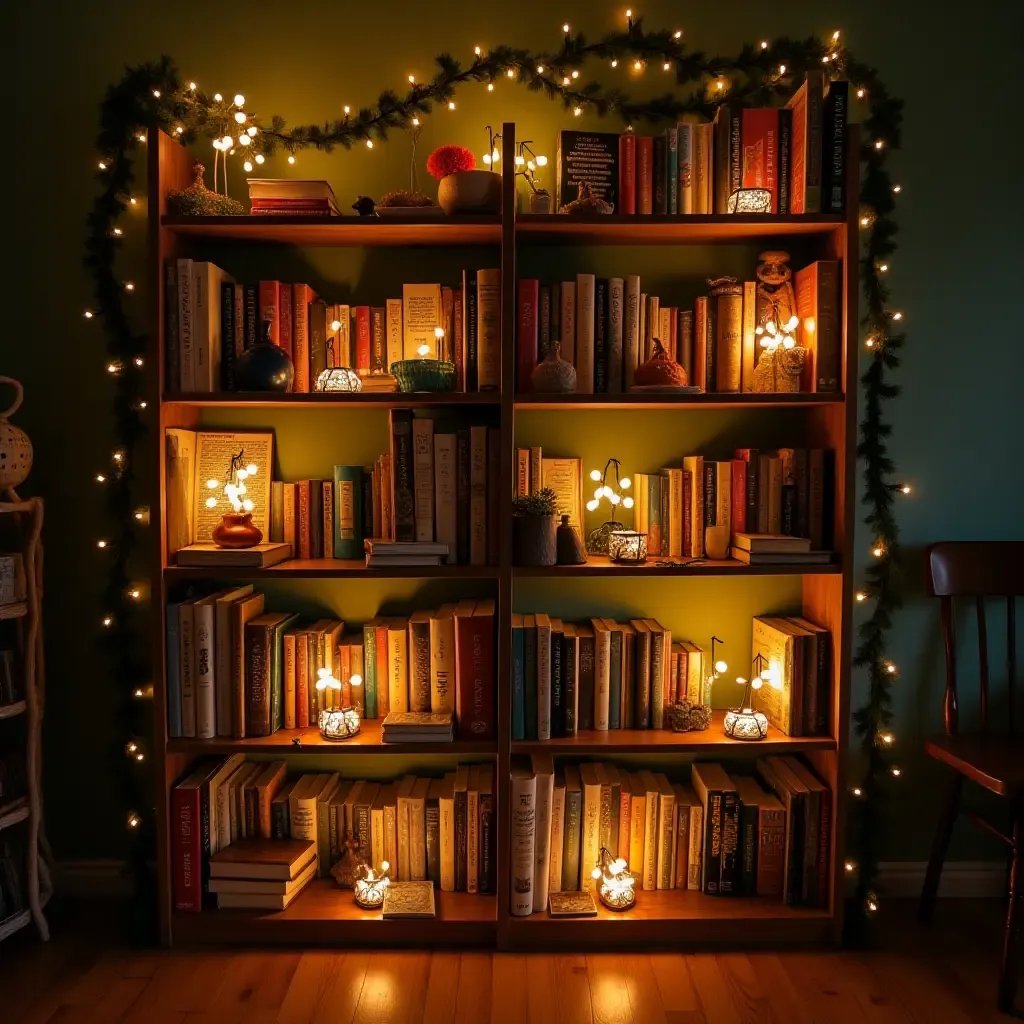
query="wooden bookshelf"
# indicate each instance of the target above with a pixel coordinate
(325, 914)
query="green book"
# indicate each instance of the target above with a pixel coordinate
(348, 512)
(370, 669)
(573, 829)
(277, 673)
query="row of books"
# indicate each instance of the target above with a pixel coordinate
(234, 669)
(436, 829)
(606, 328)
(211, 320)
(721, 834)
(762, 498)
(797, 154)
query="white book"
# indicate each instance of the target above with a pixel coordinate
(685, 131)
(393, 332)
(631, 330)
(446, 820)
(590, 829)
(478, 495)
(602, 674)
(423, 475)
(185, 332)
(615, 324)
(543, 676)
(206, 703)
(206, 341)
(224, 792)
(445, 501)
(652, 796)
(187, 667)
(218, 828)
(557, 843)
(544, 770)
(442, 659)
(524, 818)
(567, 314)
(224, 657)
(585, 334)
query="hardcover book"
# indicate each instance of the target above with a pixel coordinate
(591, 157)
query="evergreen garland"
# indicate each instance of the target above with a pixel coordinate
(153, 96)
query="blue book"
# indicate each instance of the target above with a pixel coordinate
(370, 669)
(518, 678)
(348, 512)
(615, 675)
(277, 672)
(673, 171)
(173, 672)
(530, 676)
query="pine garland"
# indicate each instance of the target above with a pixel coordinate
(153, 95)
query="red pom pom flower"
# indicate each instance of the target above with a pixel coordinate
(447, 160)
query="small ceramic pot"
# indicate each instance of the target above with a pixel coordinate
(470, 192)
(568, 544)
(236, 530)
(716, 542)
(554, 375)
(534, 540)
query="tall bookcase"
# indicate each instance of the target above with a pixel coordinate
(325, 914)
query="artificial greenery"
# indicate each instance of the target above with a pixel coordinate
(543, 503)
(154, 96)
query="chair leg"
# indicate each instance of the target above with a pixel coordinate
(939, 847)
(1008, 968)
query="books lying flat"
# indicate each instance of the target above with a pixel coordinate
(771, 543)
(265, 901)
(263, 859)
(781, 558)
(243, 887)
(571, 904)
(418, 727)
(407, 561)
(409, 899)
(395, 548)
(296, 191)
(260, 556)
(378, 383)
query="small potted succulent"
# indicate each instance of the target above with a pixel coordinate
(461, 187)
(534, 533)
(410, 202)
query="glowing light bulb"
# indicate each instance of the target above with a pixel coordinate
(896, 771)
(637, 65)
(782, 69)
(627, 502)
(905, 489)
(240, 117)
(335, 325)
(542, 161)
(412, 79)
(577, 111)
(511, 72)
(865, 221)
(133, 201)
(369, 143)
(244, 140)
(102, 165)
(247, 166)
(490, 87)
(531, 165)
(88, 314)
(134, 821)
(850, 867)
(887, 738)
(251, 131)
(756, 683)
(113, 367)
(100, 478)
(835, 35)
(720, 85)
(107, 620)
(678, 34)
(135, 593)
(156, 94)
(878, 551)
(869, 343)
(260, 158)
(883, 268)
(897, 189)
(872, 906)
(347, 109)
(495, 155)
(764, 44)
(666, 66)
(879, 144)
(117, 232)
(101, 544)
(629, 14)
(897, 316)
(192, 86)
(565, 80)
(721, 666)
(291, 159)
(575, 74)
(217, 98)
(615, 63)
(129, 286)
(179, 130)
(860, 596)
(625, 483)
(540, 69)
(357, 680)
(520, 160)
(141, 137)
(615, 499)
(211, 502)
(415, 122)
(228, 141)
(861, 93)
(565, 28)
(891, 668)
(592, 505)
(857, 791)
(451, 104)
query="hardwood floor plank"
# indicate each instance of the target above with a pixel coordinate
(473, 1003)
(313, 979)
(394, 988)
(541, 985)
(642, 987)
(609, 994)
(825, 991)
(748, 995)
(787, 1002)
(712, 989)
(675, 983)
(509, 989)
(572, 991)
(442, 989)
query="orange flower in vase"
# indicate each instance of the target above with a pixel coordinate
(461, 187)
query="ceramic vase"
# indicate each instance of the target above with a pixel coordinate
(534, 540)
(470, 192)
(265, 366)
(236, 530)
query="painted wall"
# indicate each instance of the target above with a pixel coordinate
(958, 425)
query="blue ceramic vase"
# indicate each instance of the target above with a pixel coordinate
(265, 366)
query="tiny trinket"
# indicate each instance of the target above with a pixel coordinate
(599, 539)
(370, 886)
(615, 882)
(780, 365)
(627, 547)
(337, 723)
(744, 722)
(198, 201)
(586, 203)
(569, 547)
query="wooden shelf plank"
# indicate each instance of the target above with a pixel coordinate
(329, 568)
(600, 565)
(624, 229)
(13, 812)
(11, 710)
(333, 400)
(325, 913)
(341, 231)
(712, 741)
(525, 403)
(15, 610)
(366, 741)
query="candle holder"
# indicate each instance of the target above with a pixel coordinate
(337, 723)
(750, 200)
(746, 723)
(426, 374)
(615, 883)
(627, 547)
(339, 378)
(370, 886)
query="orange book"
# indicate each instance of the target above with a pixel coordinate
(268, 784)
(817, 307)
(344, 674)
(302, 296)
(383, 701)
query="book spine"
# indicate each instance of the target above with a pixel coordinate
(369, 671)
(206, 702)
(738, 498)
(290, 705)
(478, 496)
(543, 681)
(187, 849)
(571, 841)
(615, 675)
(463, 496)
(544, 320)
(687, 546)
(348, 523)
(445, 493)
(666, 833)
(586, 682)
(570, 684)
(585, 312)
(771, 852)
(472, 835)
(728, 317)
(419, 666)
(472, 343)
(542, 840)
(393, 333)
(650, 864)
(748, 359)
(557, 686)
(712, 861)
(694, 859)
(527, 333)
(327, 524)
(378, 340)
(659, 175)
(442, 663)
(446, 812)
(300, 338)
(644, 174)
(828, 357)
(186, 326)
(227, 333)
(302, 530)
(488, 284)
(685, 177)
(815, 123)
(730, 871)
(643, 679)
(474, 677)
(748, 840)
(590, 833)
(627, 173)
(631, 330)
(524, 812)
(567, 320)
(785, 160)
(556, 846)
(658, 675)
(432, 825)
(402, 475)
(518, 683)
(461, 838)
(614, 335)
(601, 335)
(700, 343)
(672, 177)
(530, 682)
(682, 845)
(602, 679)
(172, 342)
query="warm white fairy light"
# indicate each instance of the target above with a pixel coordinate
(565, 28)
(100, 478)
(107, 621)
(879, 143)
(490, 87)
(245, 140)
(247, 166)
(577, 111)
(883, 268)
(117, 232)
(666, 66)
(897, 189)
(897, 316)
(369, 143)
(113, 368)
(137, 361)
(260, 158)
(638, 65)
(764, 44)
(412, 79)
(860, 596)
(217, 98)
(102, 165)
(129, 286)
(615, 63)
(896, 771)
(88, 314)
(240, 117)
(511, 72)
(291, 159)
(850, 867)
(133, 820)
(451, 104)
(678, 34)
(575, 74)
(861, 93)
(141, 137)
(878, 551)
(887, 738)
(347, 109)
(540, 69)
(891, 668)
(101, 544)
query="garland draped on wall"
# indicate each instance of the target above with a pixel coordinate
(154, 95)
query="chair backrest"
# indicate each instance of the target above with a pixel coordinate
(977, 569)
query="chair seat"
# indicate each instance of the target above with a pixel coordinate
(995, 762)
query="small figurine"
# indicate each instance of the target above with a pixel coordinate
(586, 202)
(365, 206)
(781, 363)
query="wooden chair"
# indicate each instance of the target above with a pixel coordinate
(992, 759)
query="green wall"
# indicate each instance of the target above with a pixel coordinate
(958, 425)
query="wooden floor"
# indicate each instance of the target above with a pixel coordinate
(85, 976)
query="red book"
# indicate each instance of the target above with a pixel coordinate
(302, 519)
(738, 498)
(302, 296)
(645, 174)
(285, 313)
(474, 670)
(270, 309)
(760, 151)
(362, 353)
(627, 173)
(818, 305)
(687, 514)
(383, 698)
(526, 331)
(290, 206)
(186, 846)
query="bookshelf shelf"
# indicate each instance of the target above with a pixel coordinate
(11, 710)
(712, 742)
(14, 812)
(325, 914)
(599, 565)
(341, 231)
(16, 610)
(330, 568)
(366, 741)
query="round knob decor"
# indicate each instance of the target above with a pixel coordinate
(15, 447)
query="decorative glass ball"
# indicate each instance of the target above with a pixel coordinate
(265, 366)
(15, 447)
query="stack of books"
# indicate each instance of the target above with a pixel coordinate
(403, 553)
(776, 549)
(418, 727)
(261, 873)
(293, 196)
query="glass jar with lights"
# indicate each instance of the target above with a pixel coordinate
(236, 528)
(611, 487)
(370, 886)
(338, 722)
(615, 883)
(744, 723)
(428, 373)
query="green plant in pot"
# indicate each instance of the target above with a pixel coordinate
(534, 528)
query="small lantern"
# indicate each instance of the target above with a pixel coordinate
(337, 723)
(426, 374)
(750, 200)
(370, 886)
(339, 378)
(744, 723)
(627, 547)
(598, 541)
(614, 882)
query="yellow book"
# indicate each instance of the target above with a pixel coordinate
(395, 340)
(590, 841)
(652, 796)
(421, 316)
(637, 823)
(442, 659)
(446, 813)
(398, 665)
(565, 478)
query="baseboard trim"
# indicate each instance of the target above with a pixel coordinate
(961, 879)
